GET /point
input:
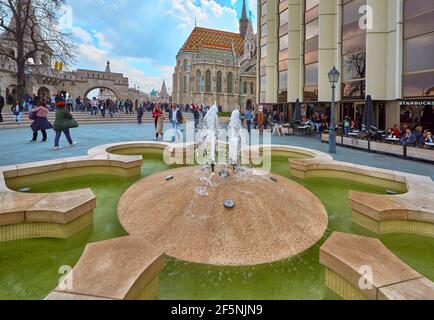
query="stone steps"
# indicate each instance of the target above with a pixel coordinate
(82, 118)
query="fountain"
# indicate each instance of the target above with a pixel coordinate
(211, 216)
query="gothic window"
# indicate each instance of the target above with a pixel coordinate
(219, 82)
(252, 91)
(185, 84)
(185, 65)
(199, 81)
(230, 82)
(245, 87)
(208, 81)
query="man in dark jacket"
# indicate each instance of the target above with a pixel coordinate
(176, 118)
(2, 104)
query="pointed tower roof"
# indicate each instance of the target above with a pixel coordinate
(244, 11)
(107, 68)
(250, 35)
(163, 91)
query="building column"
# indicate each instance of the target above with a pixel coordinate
(378, 61)
(328, 46)
(393, 114)
(272, 51)
(295, 51)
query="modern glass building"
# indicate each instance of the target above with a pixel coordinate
(383, 48)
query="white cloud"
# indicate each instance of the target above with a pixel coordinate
(207, 13)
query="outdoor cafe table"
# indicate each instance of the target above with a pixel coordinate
(303, 129)
(393, 140)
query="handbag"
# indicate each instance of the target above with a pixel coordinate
(32, 116)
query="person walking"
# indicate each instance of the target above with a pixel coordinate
(249, 118)
(140, 113)
(261, 119)
(160, 126)
(196, 114)
(2, 104)
(94, 104)
(176, 118)
(40, 123)
(156, 115)
(64, 121)
(17, 110)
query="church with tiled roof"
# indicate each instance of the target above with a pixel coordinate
(217, 66)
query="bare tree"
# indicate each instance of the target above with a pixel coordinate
(32, 27)
(355, 64)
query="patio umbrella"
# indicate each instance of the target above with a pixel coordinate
(369, 120)
(297, 113)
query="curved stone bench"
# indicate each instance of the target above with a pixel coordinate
(121, 269)
(54, 215)
(179, 151)
(359, 268)
(410, 212)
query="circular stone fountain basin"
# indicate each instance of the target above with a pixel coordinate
(271, 221)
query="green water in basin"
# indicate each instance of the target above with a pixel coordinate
(29, 269)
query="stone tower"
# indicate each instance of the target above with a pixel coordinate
(107, 68)
(244, 21)
(164, 95)
(249, 42)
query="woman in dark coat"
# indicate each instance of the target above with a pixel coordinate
(40, 123)
(64, 121)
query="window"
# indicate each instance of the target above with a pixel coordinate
(418, 78)
(185, 84)
(219, 82)
(252, 88)
(245, 87)
(311, 53)
(185, 66)
(283, 80)
(283, 42)
(263, 51)
(283, 18)
(353, 51)
(264, 9)
(199, 81)
(230, 82)
(263, 83)
(208, 81)
(264, 30)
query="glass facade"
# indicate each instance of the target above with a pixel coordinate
(311, 48)
(353, 51)
(418, 79)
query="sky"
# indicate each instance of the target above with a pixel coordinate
(142, 37)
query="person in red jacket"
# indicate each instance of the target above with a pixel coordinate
(157, 114)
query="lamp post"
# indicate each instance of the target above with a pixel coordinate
(334, 76)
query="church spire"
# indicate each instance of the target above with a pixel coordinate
(244, 21)
(244, 12)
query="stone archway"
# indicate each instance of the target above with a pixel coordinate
(89, 90)
(11, 94)
(250, 103)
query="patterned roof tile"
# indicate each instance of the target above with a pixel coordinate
(213, 39)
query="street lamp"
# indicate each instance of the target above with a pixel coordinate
(334, 76)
